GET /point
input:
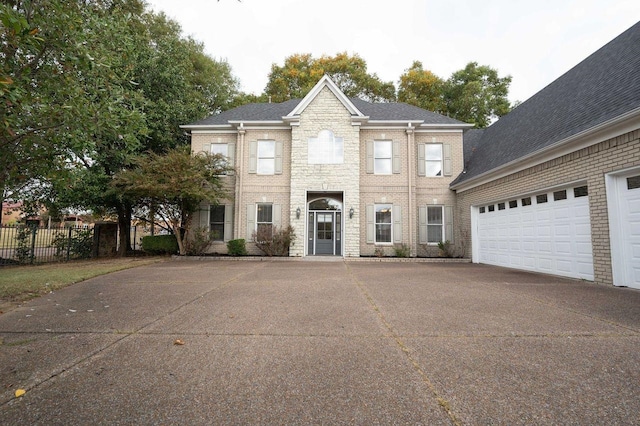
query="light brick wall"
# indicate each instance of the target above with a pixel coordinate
(393, 189)
(588, 164)
(325, 112)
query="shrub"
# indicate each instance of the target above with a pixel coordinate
(160, 244)
(274, 241)
(378, 252)
(78, 246)
(401, 250)
(24, 238)
(236, 247)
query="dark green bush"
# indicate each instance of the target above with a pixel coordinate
(237, 247)
(160, 244)
(75, 245)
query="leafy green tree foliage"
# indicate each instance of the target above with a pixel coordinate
(85, 87)
(180, 82)
(476, 94)
(301, 72)
(422, 88)
(176, 183)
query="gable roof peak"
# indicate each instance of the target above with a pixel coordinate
(327, 82)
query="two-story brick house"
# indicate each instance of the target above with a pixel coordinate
(350, 176)
(553, 186)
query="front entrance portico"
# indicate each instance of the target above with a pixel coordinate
(324, 224)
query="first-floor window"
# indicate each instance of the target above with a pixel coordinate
(264, 219)
(435, 224)
(216, 223)
(383, 223)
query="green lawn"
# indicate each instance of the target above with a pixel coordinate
(19, 283)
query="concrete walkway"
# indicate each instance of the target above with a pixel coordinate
(323, 343)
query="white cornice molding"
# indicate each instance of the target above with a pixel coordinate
(618, 126)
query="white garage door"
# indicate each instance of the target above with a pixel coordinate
(623, 197)
(547, 232)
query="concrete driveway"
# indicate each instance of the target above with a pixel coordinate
(299, 342)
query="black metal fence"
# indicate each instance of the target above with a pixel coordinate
(24, 244)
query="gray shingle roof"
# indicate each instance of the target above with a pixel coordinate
(400, 111)
(375, 111)
(600, 88)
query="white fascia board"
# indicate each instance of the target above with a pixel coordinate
(213, 132)
(620, 125)
(255, 123)
(325, 81)
(461, 126)
(394, 123)
(444, 130)
(206, 127)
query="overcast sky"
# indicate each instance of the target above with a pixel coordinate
(533, 41)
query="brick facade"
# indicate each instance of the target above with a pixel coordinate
(300, 181)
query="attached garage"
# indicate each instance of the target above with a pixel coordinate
(548, 232)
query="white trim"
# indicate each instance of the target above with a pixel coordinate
(616, 231)
(439, 131)
(610, 129)
(475, 237)
(213, 132)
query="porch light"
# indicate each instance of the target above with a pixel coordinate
(351, 213)
(298, 213)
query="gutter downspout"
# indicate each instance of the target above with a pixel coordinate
(410, 162)
(239, 162)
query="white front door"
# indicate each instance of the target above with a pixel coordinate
(624, 221)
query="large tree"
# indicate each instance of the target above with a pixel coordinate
(475, 94)
(91, 85)
(301, 72)
(422, 88)
(175, 183)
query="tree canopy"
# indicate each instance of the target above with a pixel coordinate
(301, 72)
(475, 94)
(422, 88)
(85, 87)
(175, 183)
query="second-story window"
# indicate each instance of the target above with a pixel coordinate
(266, 157)
(433, 158)
(382, 157)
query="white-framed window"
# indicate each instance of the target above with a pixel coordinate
(216, 222)
(266, 157)
(433, 159)
(220, 148)
(435, 224)
(383, 223)
(325, 149)
(382, 157)
(264, 217)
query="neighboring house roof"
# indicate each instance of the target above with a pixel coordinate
(364, 111)
(601, 88)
